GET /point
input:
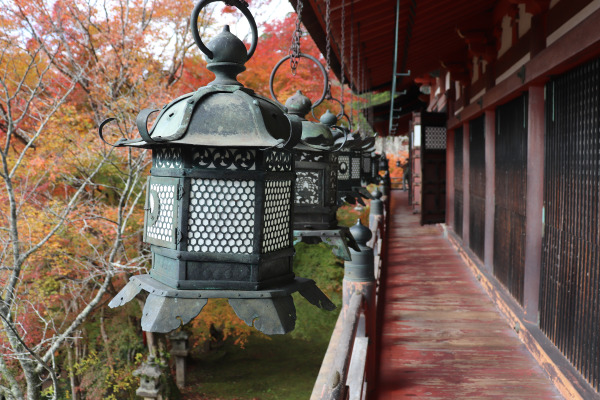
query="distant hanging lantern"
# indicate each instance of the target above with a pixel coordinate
(315, 196)
(350, 163)
(370, 158)
(220, 200)
(368, 147)
(375, 167)
(384, 163)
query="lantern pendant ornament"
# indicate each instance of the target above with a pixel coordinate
(220, 200)
(316, 162)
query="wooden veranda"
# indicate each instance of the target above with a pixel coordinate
(441, 335)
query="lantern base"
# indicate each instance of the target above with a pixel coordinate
(202, 271)
(315, 217)
(270, 311)
(340, 239)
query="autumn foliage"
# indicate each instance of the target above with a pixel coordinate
(71, 207)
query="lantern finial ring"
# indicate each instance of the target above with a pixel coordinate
(325, 77)
(240, 5)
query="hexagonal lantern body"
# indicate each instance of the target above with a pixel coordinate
(220, 218)
(315, 195)
(220, 201)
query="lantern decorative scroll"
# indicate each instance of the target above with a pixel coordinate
(316, 161)
(220, 200)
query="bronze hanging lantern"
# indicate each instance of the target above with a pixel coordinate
(368, 147)
(316, 161)
(350, 163)
(375, 168)
(220, 200)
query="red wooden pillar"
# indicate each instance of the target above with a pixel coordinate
(490, 187)
(450, 179)
(466, 184)
(534, 203)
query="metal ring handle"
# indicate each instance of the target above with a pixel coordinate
(321, 67)
(338, 115)
(342, 111)
(240, 5)
(347, 119)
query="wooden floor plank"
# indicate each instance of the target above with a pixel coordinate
(442, 336)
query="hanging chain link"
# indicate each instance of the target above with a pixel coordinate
(296, 36)
(352, 61)
(342, 51)
(328, 43)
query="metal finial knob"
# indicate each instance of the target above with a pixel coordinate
(376, 193)
(329, 118)
(298, 104)
(361, 233)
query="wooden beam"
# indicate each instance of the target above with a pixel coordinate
(466, 185)
(580, 44)
(450, 178)
(534, 203)
(490, 187)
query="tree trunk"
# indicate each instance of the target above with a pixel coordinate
(73, 378)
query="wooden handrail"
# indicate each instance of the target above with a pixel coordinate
(336, 387)
(354, 330)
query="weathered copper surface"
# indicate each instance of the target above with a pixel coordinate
(442, 337)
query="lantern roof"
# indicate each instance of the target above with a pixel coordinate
(222, 114)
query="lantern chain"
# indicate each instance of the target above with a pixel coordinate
(328, 42)
(296, 36)
(352, 60)
(342, 51)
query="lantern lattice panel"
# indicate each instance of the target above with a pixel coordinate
(333, 180)
(435, 138)
(162, 229)
(168, 157)
(221, 216)
(276, 229)
(367, 165)
(356, 167)
(344, 171)
(307, 188)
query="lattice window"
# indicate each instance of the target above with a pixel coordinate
(356, 167)
(161, 202)
(435, 138)
(344, 170)
(307, 188)
(167, 157)
(367, 165)
(276, 229)
(221, 216)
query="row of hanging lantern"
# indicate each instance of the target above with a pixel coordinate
(233, 175)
